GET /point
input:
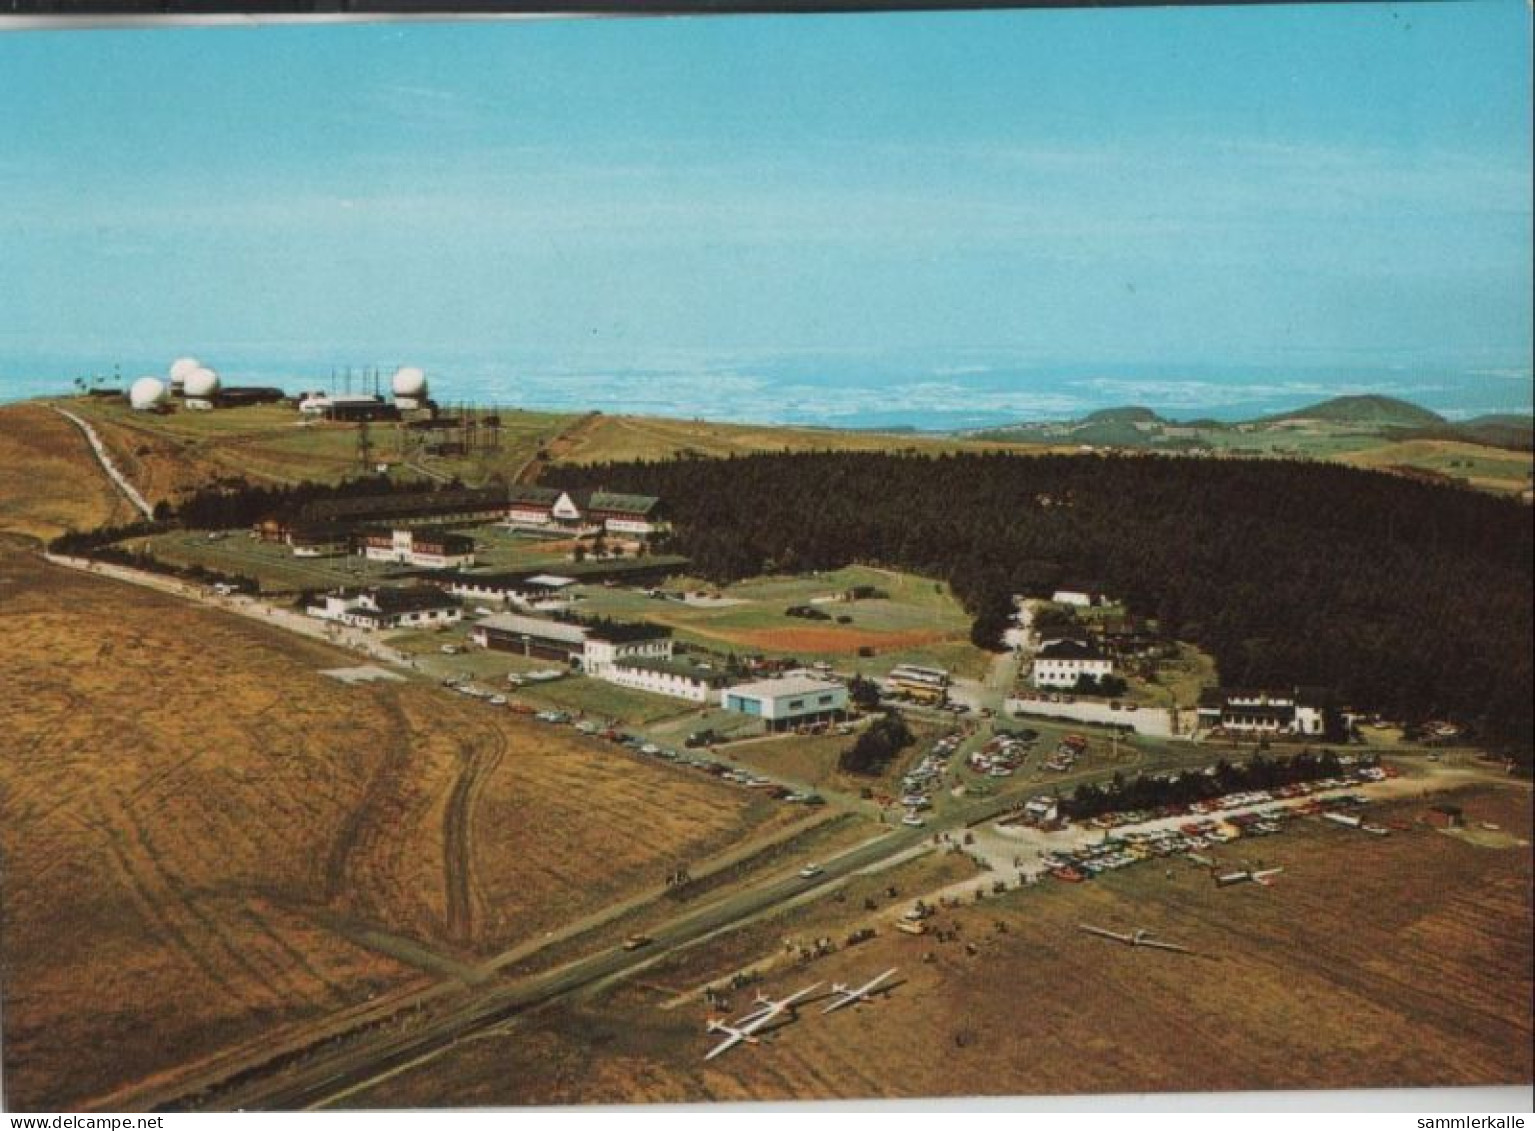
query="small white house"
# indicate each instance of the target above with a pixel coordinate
(792, 700)
(1080, 598)
(1060, 663)
(417, 606)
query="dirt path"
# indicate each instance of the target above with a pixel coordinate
(561, 445)
(462, 897)
(129, 491)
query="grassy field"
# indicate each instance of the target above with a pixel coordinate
(919, 621)
(279, 571)
(204, 836)
(49, 481)
(1376, 962)
(164, 455)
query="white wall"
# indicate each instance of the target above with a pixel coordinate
(1155, 721)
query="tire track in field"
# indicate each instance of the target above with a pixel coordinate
(355, 831)
(298, 958)
(275, 983)
(155, 907)
(462, 893)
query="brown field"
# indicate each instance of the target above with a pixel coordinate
(1376, 962)
(199, 832)
(49, 482)
(1489, 469)
(162, 467)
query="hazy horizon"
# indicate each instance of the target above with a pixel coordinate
(931, 219)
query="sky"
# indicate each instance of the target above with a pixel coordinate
(1266, 190)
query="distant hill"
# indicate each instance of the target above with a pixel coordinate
(1361, 430)
(1366, 411)
(1499, 430)
(1132, 414)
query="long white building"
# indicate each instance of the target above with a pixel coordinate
(594, 648)
(674, 677)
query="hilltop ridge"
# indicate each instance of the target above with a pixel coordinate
(1364, 409)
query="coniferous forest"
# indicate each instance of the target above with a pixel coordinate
(1406, 598)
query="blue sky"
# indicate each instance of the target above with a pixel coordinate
(1288, 189)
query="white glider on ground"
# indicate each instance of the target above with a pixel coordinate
(862, 993)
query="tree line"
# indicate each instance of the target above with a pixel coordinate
(236, 504)
(1406, 598)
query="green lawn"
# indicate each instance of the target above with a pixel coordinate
(603, 701)
(914, 605)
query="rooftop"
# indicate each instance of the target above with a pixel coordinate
(414, 598)
(541, 627)
(675, 666)
(795, 683)
(1069, 650)
(572, 632)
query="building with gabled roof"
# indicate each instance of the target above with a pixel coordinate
(592, 646)
(426, 547)
(414, 606)
(1061, 663)
(1260, 711)
(676, 676)
(534, 507)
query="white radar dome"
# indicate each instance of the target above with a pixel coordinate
(201, 382)
(409, 382)
(146, 393)
(181, 367)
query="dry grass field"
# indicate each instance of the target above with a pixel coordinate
(49, 482)
(202, 834)
(1375, 962)
(1489, 469)
(621, 438)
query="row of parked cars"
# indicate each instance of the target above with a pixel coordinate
(920, 781)
(735, 775)
(1244, 800)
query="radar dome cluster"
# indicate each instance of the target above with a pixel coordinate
(147, 393)
(200, 382)
(181, 368)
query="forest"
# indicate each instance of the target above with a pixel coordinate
(1405, 598)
